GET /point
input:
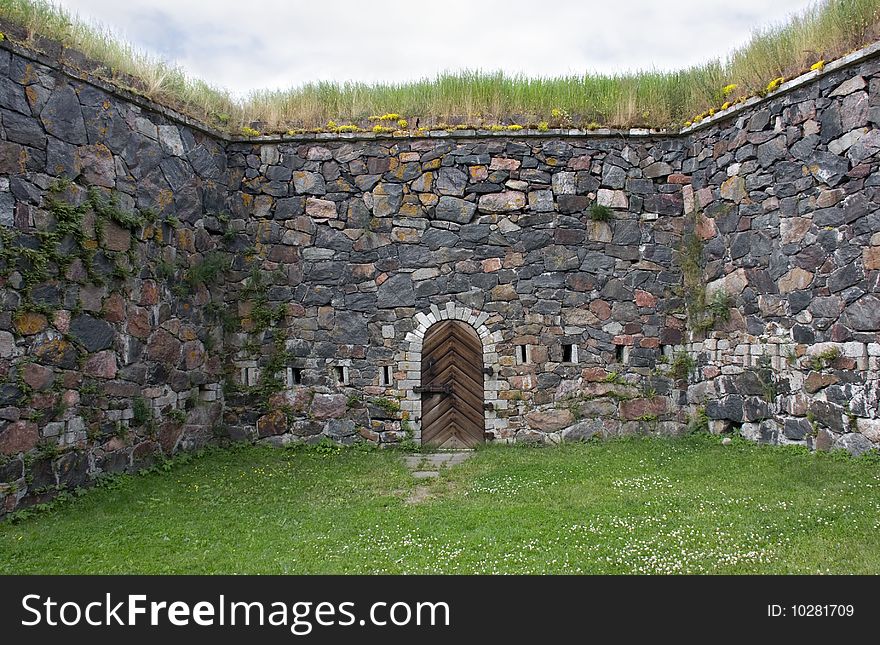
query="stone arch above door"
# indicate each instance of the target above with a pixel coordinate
(410, 361)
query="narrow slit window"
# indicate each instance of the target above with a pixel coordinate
(523, 354)
(341, 375)
(620, 353)
(296, 374)
(386, 375)
(569, 353)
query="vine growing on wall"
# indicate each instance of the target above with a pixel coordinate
(47, 254)
(703, 312)
(262, 318)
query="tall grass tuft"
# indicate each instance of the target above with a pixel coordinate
(645, 98)
(31, 20)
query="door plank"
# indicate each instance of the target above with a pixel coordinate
(452, 353)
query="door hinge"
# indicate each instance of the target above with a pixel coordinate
(433, 389)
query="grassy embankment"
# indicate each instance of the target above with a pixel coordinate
(470, 98)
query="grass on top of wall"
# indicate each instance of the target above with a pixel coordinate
(823, 32)
(642, 505)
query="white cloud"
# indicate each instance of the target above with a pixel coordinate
(278, 43)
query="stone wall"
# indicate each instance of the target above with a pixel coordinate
(381, 239)
(164, 287)
(108, 353)
(788, 199)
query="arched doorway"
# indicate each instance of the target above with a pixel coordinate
(452, 386)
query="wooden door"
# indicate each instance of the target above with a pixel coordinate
(452, 386)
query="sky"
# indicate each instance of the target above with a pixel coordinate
(272, 44)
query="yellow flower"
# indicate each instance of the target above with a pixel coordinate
(543, 126)
(727, 89)
(249, 132)
(775, 83)
(725, 105)
(496, 128)
(514, 127)
(817, 66)
(381, 129)
(688, 124)
(401, 123)
(331, 125)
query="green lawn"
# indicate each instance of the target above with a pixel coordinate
(633, 506)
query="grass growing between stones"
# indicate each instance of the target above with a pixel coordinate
(628, 506)
(823, 32)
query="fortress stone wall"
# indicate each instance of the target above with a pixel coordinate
(163, 286)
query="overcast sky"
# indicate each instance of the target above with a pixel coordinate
(245, 45)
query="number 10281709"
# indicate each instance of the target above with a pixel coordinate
(810, 611)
